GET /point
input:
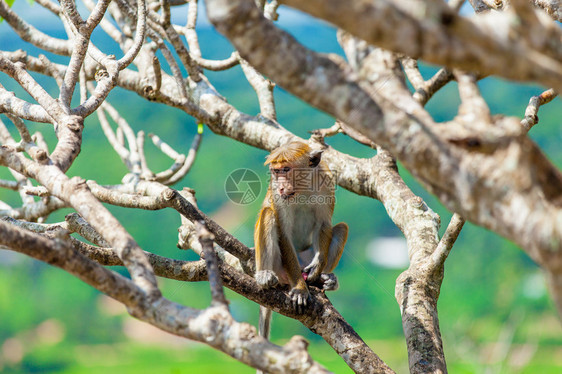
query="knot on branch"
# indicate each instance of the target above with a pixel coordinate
(8, 148)
(169, 194)
(78, 184)
(75, 123)
(297, 351)
(39, 155)
(101, 73)
(20, 55)
(247, 332)
(21, 65)
(417, 202)
(149, 92)
(297, 343)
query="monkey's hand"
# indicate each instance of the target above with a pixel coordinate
(299, 298)
(313, 271)
(266, 278)
(329, 282)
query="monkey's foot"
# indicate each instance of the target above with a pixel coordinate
(266, 278)
(329, 282)
(299, 299)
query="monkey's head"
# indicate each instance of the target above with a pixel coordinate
(293, 167)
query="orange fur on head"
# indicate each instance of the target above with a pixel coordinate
(288, 153)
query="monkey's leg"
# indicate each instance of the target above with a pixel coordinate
(321, 246)
(268, 258)
(268, 254)
(328, 280)
(339, 238)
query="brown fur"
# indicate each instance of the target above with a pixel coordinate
(287, 229)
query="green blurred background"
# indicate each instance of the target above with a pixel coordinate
(495, 313)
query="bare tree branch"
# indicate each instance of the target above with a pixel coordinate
(76, 194)
(552, 7)
(482, 166)
(212, 263)
(440, 159)
(213, 326)
(32, 35)
(531, 117)
(445, 245)
(472, 45)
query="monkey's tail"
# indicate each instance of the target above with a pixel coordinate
(264, 325)
(265, 322)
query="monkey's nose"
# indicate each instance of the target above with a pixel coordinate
(285, 196)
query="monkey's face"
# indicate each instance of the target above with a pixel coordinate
(282, 180)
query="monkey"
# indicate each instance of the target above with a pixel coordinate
(295, 242)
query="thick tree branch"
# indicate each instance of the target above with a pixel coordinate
(520, 203)
(481, 166)
(32, 35)
(80, 47)
(321, 318)
(159, 196)
(76, 194)
(409, 212)
(552, 7)
(442, 37)
(213, 326)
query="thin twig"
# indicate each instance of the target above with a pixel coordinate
(431, 86)
(531, 112)
(443, 249)
(9, 185)
(206, 239)
(263, 87)
(146, 173)
(189, 160)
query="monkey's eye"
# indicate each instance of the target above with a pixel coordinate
(286, 169)
(276, 171)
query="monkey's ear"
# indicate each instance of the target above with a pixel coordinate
(315, 157)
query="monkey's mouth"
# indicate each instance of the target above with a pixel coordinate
(289, 195)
